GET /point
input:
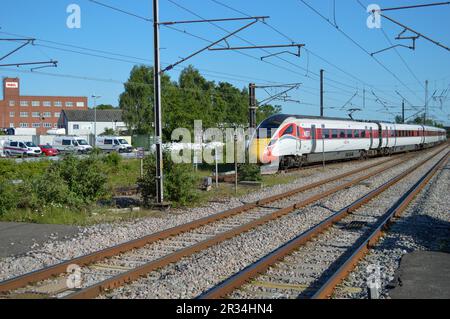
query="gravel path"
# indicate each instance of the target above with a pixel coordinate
(199, 272)
(424, 226)
(93, 238)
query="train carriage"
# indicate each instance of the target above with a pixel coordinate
(292, 140)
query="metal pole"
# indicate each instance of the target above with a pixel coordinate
(157, 106)
(321, 93)
(252, 105)
(364, 98)
(235, 165)
(323, 145)
(217, 167)
(95, 121)
(403, 111)
(426, 103)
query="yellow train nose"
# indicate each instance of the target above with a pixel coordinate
(257, 148)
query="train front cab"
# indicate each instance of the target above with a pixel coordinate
(259, 145)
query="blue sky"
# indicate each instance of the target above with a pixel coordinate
(80, 73)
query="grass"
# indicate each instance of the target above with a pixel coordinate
(65, 216)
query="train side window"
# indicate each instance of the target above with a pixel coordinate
(342, 133)
(356, 133)
(334, 133)
(349, 134)
(363, 133)
(326, 133)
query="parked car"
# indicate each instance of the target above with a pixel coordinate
(48, 150)
(72, 144)
(14, 148)
(113, 144)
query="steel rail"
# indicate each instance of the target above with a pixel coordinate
(45, 273)
(134, 274)
(262, 265)
(342, 272)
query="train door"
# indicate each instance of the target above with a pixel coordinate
(387, 136)
(313, 138)
(299, 142)
(370, 137)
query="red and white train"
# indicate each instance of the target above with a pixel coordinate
(293, 140)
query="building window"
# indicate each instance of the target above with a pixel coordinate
(58, 103)
(57, 114)
(47, 103)
(47, 114)
(23, 125)
(48, 125)
(80, 104)
(55, 125)
(35, 114)
(76, 126)
(35, 103)
(36, 125)
(12, 114)
(11, 124)
(24, 103)
(12, 103)
(69, 104)
(23, 114)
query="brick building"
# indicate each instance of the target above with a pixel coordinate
(40, 112)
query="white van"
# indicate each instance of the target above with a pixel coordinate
(2, 145)
(113, 144)
(71, 144)
(14, 148)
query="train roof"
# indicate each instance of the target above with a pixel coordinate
(280, 118)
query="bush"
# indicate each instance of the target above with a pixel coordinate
(249, 172)
(113, 159)
(179, 181)
(8, 198)
(84, 177)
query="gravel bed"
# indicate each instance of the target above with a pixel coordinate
(137, 257)
(93, 238)
(322, 255)
(197, 273)
(424, 226)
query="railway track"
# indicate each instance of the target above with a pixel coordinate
(313, 263)
(112, 267)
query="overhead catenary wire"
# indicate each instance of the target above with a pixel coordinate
(306, 49)
(359, 46)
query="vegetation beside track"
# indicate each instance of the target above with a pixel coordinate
(77, 191)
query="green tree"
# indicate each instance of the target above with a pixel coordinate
(398, 119)
(192, 98)
(136, 101)
(105, 107)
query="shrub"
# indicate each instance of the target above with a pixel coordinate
(249, 172)
(8, 198)
(179, 181)
(113, 159)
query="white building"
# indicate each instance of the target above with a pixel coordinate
(84, 122)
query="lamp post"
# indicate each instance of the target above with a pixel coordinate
(95, 97)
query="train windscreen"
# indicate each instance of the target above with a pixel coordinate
(268, 127)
